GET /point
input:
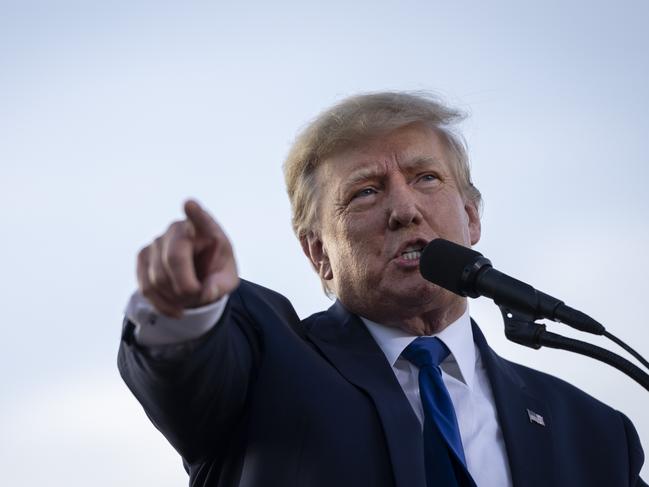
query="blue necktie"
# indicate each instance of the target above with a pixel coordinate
(443, 452)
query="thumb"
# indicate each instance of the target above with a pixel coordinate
(211, 290)
(218, 284)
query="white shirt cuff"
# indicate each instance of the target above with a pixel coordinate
(153, 328)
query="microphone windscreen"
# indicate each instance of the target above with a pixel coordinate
(444, 263)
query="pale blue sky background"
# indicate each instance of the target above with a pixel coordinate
(111, 113)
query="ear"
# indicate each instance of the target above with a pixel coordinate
(313, 248)
(475, 228)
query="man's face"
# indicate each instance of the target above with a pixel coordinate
(380, 203)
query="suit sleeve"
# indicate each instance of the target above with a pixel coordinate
(196, 393)
(636, 455)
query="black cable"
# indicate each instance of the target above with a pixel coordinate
(619, 342)
(552, 340)
(521, 328)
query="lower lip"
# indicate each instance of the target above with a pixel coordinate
(407, 263)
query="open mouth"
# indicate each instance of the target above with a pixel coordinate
(413, 254)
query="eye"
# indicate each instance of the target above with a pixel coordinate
(428, 177)
(365, 192)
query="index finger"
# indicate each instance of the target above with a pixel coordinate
(201, 220)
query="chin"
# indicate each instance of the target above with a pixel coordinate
(414, 294)
(428, 295)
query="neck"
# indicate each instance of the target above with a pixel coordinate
(432, 321)
(416, 319)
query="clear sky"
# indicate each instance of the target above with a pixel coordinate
(112, 113)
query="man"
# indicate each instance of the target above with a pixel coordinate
(249, 395)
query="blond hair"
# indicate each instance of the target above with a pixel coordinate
(355, 120)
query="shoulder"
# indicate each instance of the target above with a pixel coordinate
(554, 388)
(581, 419)
(563, 397)
(253, 296)
(571, 408)
(556, 392)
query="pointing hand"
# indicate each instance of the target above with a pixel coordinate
(190, 265)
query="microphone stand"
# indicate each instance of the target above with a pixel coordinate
(521, 328)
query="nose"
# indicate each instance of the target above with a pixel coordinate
(402, 207)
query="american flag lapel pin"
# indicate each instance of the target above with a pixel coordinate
(535, 418)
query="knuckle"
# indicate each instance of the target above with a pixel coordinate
(143, 254)
(176, 260)
(174, 226)
(157, 277)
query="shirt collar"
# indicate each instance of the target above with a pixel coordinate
(457, 336)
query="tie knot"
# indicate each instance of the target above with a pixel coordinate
(426, 351)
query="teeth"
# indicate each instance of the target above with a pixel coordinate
(411, 255)
(419, 248)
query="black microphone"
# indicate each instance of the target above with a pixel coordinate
(468, 273)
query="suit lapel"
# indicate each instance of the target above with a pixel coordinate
(345, 342)
(524, 419)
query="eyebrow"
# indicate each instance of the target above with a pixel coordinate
(416, 164)
(422, 162)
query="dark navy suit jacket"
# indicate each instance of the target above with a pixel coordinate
(266, 400)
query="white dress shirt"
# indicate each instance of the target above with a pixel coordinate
(462, 372)
(466, 380)
(154, 329)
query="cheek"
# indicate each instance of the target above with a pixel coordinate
(448, 219)
(359, 228)
(354, 255)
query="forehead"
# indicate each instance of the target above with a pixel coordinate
(408, 147)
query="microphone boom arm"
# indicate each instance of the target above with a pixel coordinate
(521, 328)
